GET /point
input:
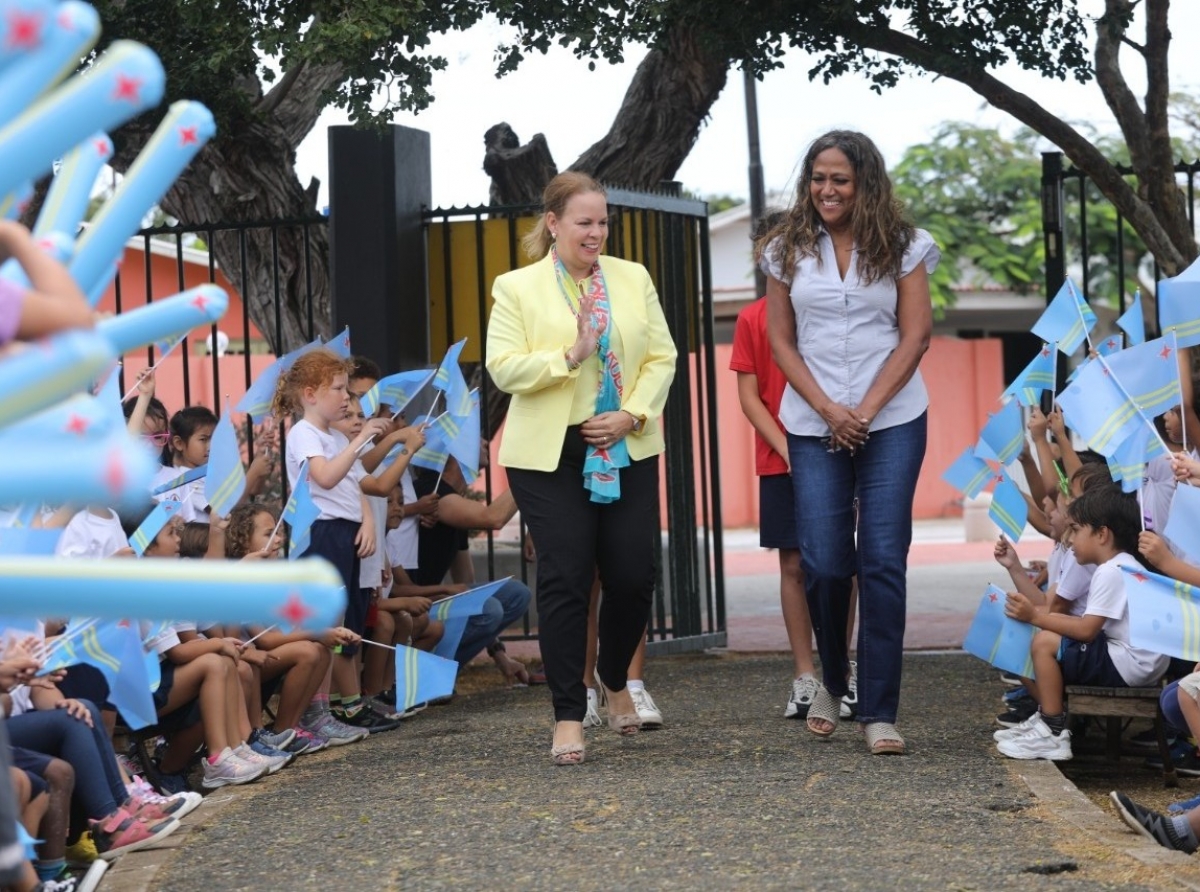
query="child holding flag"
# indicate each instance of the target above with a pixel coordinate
(1092, 649)
(315, 387)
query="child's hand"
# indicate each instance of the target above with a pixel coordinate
(1153, 547)
(1005, 554)
(1038, 423)
(261, 465)
(145, 384)
(1185, 468)
(18, 670)
(76, 710)
(339, 635)
(415, 605)
(226, 648)
(413, 437)
(1057, 426)
(374, 427)
(1018, 607)
(365, 543)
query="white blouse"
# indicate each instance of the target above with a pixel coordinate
(845, 331)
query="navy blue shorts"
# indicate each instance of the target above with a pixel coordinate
(777, 512)
(1088, 663)
(182, 717)
(34, 764)
(358, 605)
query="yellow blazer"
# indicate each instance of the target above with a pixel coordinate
(529, 331)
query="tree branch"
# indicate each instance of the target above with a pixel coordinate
(1110, 30)
(297, 111)
(1171, 256)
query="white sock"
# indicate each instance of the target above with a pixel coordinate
(635, 685)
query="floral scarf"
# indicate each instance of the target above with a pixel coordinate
(601, 467)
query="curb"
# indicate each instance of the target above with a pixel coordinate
(138, 871)
(1063, 798)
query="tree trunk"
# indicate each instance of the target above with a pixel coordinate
(659, 121)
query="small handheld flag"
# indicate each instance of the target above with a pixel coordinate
(998, 639)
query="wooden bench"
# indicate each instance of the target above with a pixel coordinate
(1117, 704)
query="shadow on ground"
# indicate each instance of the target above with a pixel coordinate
(728, 795)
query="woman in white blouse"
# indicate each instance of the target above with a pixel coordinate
(849, 319)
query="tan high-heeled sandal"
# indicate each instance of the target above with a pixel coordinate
(624, 723)
(567, 753)
(883, 739)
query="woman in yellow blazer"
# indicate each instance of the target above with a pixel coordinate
(581, 343)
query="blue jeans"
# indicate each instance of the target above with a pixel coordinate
(99, 789)
(499, 612)
(882, 475)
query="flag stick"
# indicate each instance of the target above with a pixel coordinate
(377, 644)
(1141, 507)
(1125, 393)
(259, 635)
(1086, 335)
(1182, 407)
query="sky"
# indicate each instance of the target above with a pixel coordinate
(557, 95)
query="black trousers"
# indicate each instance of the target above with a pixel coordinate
(575, 538)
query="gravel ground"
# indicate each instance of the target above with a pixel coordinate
(728, 796)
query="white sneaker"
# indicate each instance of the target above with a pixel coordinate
(229, 769)
(1039, 742)
(140, 790)
(804, 689)
(650, 714)
(1018, 730)
(849, 704)
(592, 719)
(271, 763)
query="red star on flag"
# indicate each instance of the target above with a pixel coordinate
(114, 474)
(103, 147)
(1045, 349)
(24, 30)
(128, 88)
(45, 244)
(77, 424)
(1140, 577)
(1110, 344)
(1165, 353)
(188, 136)
(123, 624)
(66, 22)
(200, 302)
(992, 597)
(295, 611)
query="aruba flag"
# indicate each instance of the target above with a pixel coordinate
(1004, 432)
(421, 677)
(998, 639)
(454, 611)
(1164, 614)
(1066, 320)
(226, 479)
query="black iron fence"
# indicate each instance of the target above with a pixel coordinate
(469, 247)
(1083, 232)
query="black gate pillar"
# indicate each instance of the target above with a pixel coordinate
(1052, 242)
(379, 183)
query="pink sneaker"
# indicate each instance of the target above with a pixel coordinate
(121, 832)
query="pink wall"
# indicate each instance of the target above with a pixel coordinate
(964, 378)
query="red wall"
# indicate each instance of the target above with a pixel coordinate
(964, 379)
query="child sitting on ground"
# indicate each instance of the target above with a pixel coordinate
(1092, 649)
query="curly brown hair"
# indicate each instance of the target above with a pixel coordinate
(881, 229)
(241, 527)
(316, 368)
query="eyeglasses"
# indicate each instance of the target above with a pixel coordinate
(157, 439)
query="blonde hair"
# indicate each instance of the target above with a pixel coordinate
(557, 193)
(316, 368)
(881, 230)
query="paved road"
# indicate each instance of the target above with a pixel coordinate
(729, 796)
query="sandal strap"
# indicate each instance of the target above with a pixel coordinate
(825, 706)
(877, 732)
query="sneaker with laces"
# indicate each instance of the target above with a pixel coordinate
(650, 714)
(121, 832)
(276, 740)
(259, 752)
(804, 689)
(65, 883)
(362, 716)
(592, 718)
(324, 726)
(140, 790)
(382, 709)
(1019, 729)
(229, 769)
(305, 742)
(1151, 824)
(849, 706)
(1039, 742)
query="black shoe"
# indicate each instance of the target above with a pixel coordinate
(388, 696)
(1183, 757)
(1019, 713)
(365, 717)
(1147, 741)
(1010, 679)
(1151, 824)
